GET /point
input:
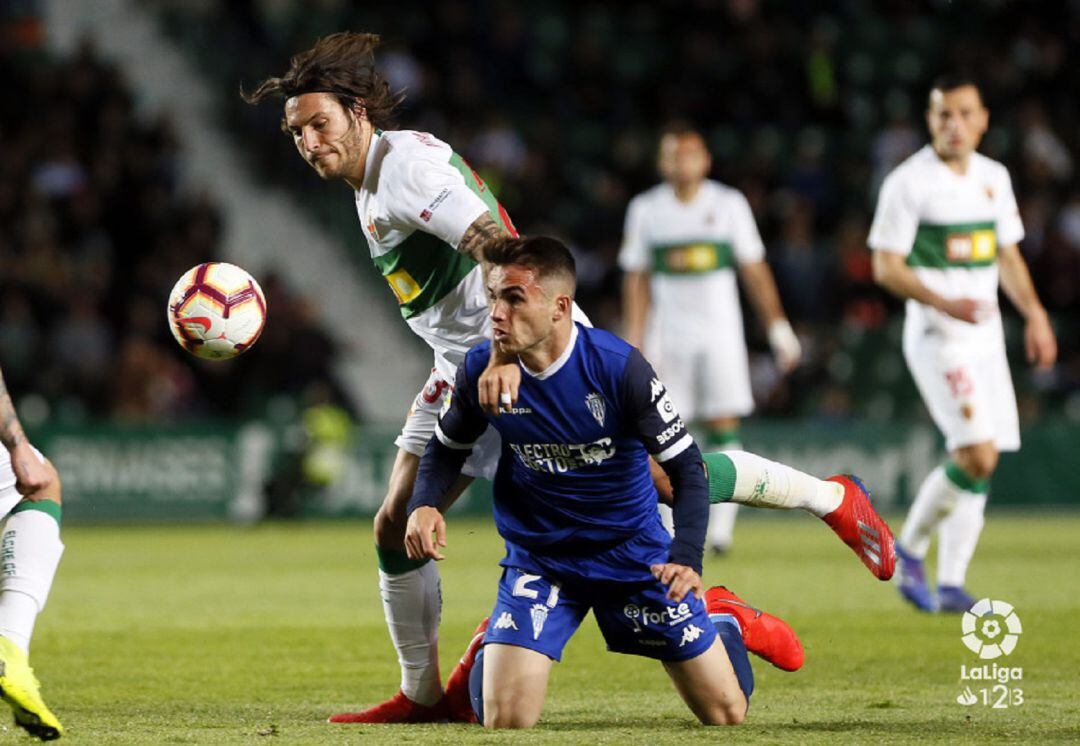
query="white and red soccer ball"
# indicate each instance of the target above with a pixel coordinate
(216, 310)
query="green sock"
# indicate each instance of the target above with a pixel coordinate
(965, 481)
(397, 562)
(721, 471)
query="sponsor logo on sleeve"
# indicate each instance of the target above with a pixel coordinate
(426, 214)
(666, 408)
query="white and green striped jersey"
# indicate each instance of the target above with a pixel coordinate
(950, 227)
(691, 250)
(417, 200)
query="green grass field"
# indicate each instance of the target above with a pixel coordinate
(227, 635)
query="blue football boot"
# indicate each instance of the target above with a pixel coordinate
(954, 598)
(911, 581)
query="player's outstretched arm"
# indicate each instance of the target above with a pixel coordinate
(483, 231)
(893, 274)
(31, 474)
(1039, 339)
(635, 306)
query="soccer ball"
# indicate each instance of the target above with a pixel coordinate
(216, 310)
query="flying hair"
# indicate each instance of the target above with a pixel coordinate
(342, 64)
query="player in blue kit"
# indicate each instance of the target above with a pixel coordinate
(576, 505)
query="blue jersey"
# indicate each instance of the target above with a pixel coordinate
(573, 494)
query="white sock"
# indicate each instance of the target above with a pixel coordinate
(762, 483)
(30, 551)
(935, 500)
(412, 604)
(722, 524)
(957, 536)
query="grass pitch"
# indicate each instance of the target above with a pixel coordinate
(226, 635)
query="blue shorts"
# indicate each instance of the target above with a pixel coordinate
(532, 612)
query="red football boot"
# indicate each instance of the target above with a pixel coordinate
(397, 709)
(765, 635)
(458, 701)
(860, 527)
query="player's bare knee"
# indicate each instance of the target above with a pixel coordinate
(978, 462)
(54, 489)
(389, 529)
(724, 714)
(508, 717)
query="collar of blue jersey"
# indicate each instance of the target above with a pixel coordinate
(560, 361)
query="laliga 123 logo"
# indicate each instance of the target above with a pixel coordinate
(991, 629)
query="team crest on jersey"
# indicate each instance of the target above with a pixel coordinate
(595, 403)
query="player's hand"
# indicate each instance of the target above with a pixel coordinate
(31, 474)
(1039, 340)
(785, 345)
(965, 309)
(419, 544)
(679, 579)
(499, 385)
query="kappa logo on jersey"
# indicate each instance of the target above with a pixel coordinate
(643, 617)
(505, 621)
(655, 389)
(595, 403)
(666, 408)
(691, 633)
(559, 458)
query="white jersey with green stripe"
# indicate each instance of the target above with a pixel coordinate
(417, 200)
(949, 226)
(691, 250)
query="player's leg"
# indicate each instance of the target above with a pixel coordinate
(722, 435)
(409, 589)
(531, 623)
(956, 385)
(515, 683)
(842, 502)
(958, 534)
(726, 396)
(710, 685)
(31, 551)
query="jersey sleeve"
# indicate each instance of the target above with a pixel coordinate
(634, 253)
(896, 220)
(461, 422)
(746, 240)
(649, 406)
(1010, 228)
(430, 195)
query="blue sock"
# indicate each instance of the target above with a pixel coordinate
(731, 635)
(476, 686)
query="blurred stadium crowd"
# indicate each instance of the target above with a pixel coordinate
(558, 106)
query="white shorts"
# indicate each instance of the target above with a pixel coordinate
(420, 427)
(967, 387)
(9, 496)
(708, 376)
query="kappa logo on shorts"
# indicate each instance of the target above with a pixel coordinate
(690, 633)
(506, 621)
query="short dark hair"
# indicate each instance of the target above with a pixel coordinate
(342, 64)
(547, 256)
(952, 80)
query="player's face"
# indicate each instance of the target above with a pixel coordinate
(327, 136)
(522, 312)
(957, 120)
(683, 159)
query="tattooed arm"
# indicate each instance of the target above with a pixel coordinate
(31, 474)
(482, 231)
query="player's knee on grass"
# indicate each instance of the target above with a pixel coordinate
(503, 712)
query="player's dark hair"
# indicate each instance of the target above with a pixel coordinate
(342, 64)
(953, 80)
(547, 256)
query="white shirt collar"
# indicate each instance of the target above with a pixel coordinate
(560, 361)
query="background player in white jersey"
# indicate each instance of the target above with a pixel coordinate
(683, 241)
(30, 552)
(425, 215)
(945, 231)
